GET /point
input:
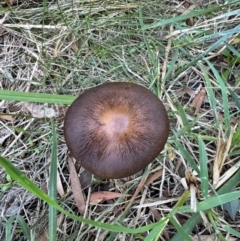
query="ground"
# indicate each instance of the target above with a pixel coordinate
(186, 52)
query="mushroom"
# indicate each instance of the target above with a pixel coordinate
(115, 130)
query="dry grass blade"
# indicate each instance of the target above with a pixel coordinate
(223, 147)
(60, 186)
(138, 190)
(228, 174)
(43, 236)
(192, 183)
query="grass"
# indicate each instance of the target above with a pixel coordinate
(50, 52)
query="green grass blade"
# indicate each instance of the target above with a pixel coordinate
(23, 225)
(150, 55)
(26, 183)
(213, 202)
(224, 97)
(195, 219)
(231, 231)
(235, 98)
(180, 230)
(53, 187)
(210, 93)
(212, 47)
(182, 114)
(236, 137)
(232, 49)
(156, 232)
(191, 14)
(203, 168)
(187, 157)
(172, 65)
(215, 227)
(230, 184)
(188, 226)
(36, 97)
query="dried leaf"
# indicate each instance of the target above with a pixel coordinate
(198, 100)
(40, 111)
(179, 164)
(190, 21)
(186, 4)
(157, 215)
(73, 46)
(76, 188)
(153, 177)
(97, 197)
(189, 91)
(6, 117)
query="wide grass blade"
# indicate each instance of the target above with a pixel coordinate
(213, 202)
(156, 232)
(231, 231)
(53, 187)
(36, 97)
(188, 226)
(180, 230)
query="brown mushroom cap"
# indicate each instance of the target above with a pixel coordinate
(116, 129)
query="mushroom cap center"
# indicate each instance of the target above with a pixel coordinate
(115, 122)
